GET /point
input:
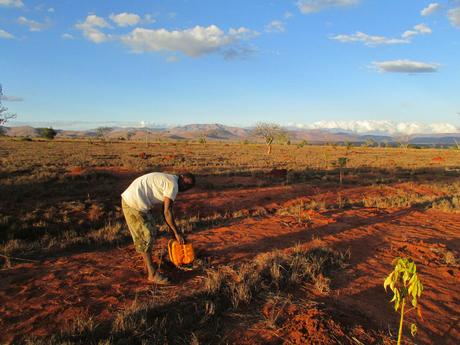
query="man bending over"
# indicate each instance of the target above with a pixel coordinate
(137, 202)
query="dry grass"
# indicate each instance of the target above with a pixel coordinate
(39, 198)
(43, 210)
(447, 204)
(195, 319)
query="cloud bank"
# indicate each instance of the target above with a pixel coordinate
(383, 127)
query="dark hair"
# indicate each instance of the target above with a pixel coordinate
(189, 177)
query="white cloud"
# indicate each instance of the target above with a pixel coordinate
(193, 42)
(51, 10)
(419, 29)
(67, 36)
(125, 19)
(95, 21)
(242, 33)
(32, 24)
(383, 127)
(6, 98)
(430, 9)
(369, 40)
(373, 40)
(91, 28)
(5, 35)
(423, 29)
(288, 15)
(275, 26)
(454, 16)
(11, 3)
(311, 6)
(409, 34)
(406, 66)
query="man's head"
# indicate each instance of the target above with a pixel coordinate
(186, 181)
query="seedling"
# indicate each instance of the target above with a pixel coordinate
(404, 283)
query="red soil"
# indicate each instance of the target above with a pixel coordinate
(39, 298)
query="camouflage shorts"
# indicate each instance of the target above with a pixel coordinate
(141, 226)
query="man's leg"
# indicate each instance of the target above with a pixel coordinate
(153, 275)
(143, 232)
(150, 231)
(151, 270)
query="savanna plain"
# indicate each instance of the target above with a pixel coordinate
(292, 247)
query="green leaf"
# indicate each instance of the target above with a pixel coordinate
(414, 293)
(398, 301)
(420, 288)
(387, 281)
(394, 298)
(412, 290)
(413, 329)
(407, 276)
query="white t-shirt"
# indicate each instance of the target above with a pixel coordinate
(150, 189)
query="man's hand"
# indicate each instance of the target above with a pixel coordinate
(180, 238)
(169, 218)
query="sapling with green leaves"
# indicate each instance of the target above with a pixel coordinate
(405, 284)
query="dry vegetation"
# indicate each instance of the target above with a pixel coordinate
(253, 284)
(203, 315)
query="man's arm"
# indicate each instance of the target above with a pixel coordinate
(169, 218)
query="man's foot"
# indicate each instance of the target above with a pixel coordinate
(158, 279)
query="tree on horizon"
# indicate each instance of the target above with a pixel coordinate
(5, 116)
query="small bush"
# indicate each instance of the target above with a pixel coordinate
(47, 133)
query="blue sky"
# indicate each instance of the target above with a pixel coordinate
(232, 62)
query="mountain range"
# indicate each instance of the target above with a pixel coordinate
(230, 133)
